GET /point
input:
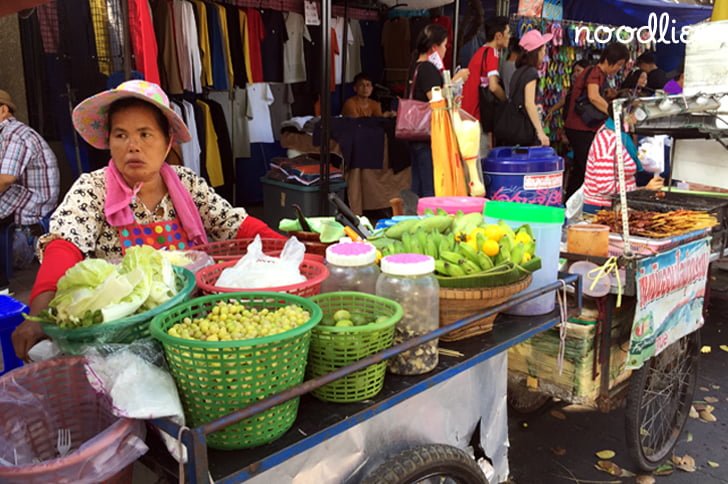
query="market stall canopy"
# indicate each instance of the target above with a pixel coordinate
(14, 6)
(416, 4)
(635, 13)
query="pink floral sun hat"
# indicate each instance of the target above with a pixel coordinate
(91, 116)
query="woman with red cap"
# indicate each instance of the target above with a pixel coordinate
(138, 199)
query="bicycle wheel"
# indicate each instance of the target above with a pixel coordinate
(428, 464)
(659, 400)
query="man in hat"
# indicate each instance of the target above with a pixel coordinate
(29, 179)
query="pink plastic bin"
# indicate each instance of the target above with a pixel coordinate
(451, 204)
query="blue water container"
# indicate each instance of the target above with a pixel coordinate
(11, 315)
(525, 175)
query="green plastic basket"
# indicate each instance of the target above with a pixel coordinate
(127, 330)
(215, 379)
(334, 347)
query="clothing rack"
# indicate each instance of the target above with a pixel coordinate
(357, 13)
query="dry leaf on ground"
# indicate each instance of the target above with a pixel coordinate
(689, 438)
(711, 399)
(606, 454)
(714, 386)
(609, 467)
(706, 349)
(557, 414)
(644, 479)
(724, 347)
(664, 470)
(558, 451)
(707, 416)
(704, 389)
(694, 412)
(713, 465)
(685, 463)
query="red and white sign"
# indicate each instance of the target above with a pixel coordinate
(542, 182)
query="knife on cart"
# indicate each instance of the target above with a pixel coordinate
(347, 213)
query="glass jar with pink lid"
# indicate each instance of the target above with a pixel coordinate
(352, 267)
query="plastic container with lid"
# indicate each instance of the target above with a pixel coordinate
(546, 223)
(352, 267)
(525, 175)
(588, 239)
(409, 280)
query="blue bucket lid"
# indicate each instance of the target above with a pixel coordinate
(10, 307)
(533, 159)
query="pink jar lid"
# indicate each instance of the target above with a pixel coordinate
(351, 254)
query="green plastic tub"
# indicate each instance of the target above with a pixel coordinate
(123, 331)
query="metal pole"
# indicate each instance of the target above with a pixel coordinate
(325, 101)
(344, 51)
(456, 30)
(127, 41)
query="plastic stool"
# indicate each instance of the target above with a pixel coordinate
(11, 315)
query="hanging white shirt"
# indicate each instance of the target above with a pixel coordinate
(339, 23)
(353, 56)
(260, 98)
(294, 65)
(191, 151)
(193, 45)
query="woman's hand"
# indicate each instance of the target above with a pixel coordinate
(461, 74)
(544, 140)
(25, 337)
(655, 184)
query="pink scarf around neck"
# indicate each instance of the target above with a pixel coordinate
(119, 197)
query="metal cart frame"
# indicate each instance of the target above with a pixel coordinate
(508, 332)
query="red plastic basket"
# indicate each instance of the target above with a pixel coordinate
(315, 273)
(225, 250)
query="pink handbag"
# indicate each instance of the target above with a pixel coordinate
(413, 117)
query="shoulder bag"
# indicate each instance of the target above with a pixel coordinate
(489, 105)
(588, 113)
(514, 127)
(413, 117)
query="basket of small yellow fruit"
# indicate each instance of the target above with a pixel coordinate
(226, 351)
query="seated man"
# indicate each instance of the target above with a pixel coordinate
(29, 178)
(360, 105)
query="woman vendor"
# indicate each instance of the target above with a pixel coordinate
(137, 199)
(601, 181)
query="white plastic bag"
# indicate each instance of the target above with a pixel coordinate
(575, 206)
(135, 378)
(257, 270)
(652, 153)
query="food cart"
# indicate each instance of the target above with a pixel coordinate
(647, 351)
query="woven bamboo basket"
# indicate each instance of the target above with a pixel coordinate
(456, 304)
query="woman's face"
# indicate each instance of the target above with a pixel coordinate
(642, 81)
(137, 143)
(441, 49)
(577, 71)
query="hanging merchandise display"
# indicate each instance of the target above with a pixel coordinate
(530, 8)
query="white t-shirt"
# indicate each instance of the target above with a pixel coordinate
(191, 150)
(294, 65)
(260, 98)
(353, 56)
(339, 23)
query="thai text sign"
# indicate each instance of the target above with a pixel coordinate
(670, 293)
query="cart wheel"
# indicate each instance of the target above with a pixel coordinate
(434, 463)
(524, 402)
(659, 400)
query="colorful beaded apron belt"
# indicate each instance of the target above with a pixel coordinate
(168, 234)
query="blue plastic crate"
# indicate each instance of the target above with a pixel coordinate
(11, 315)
